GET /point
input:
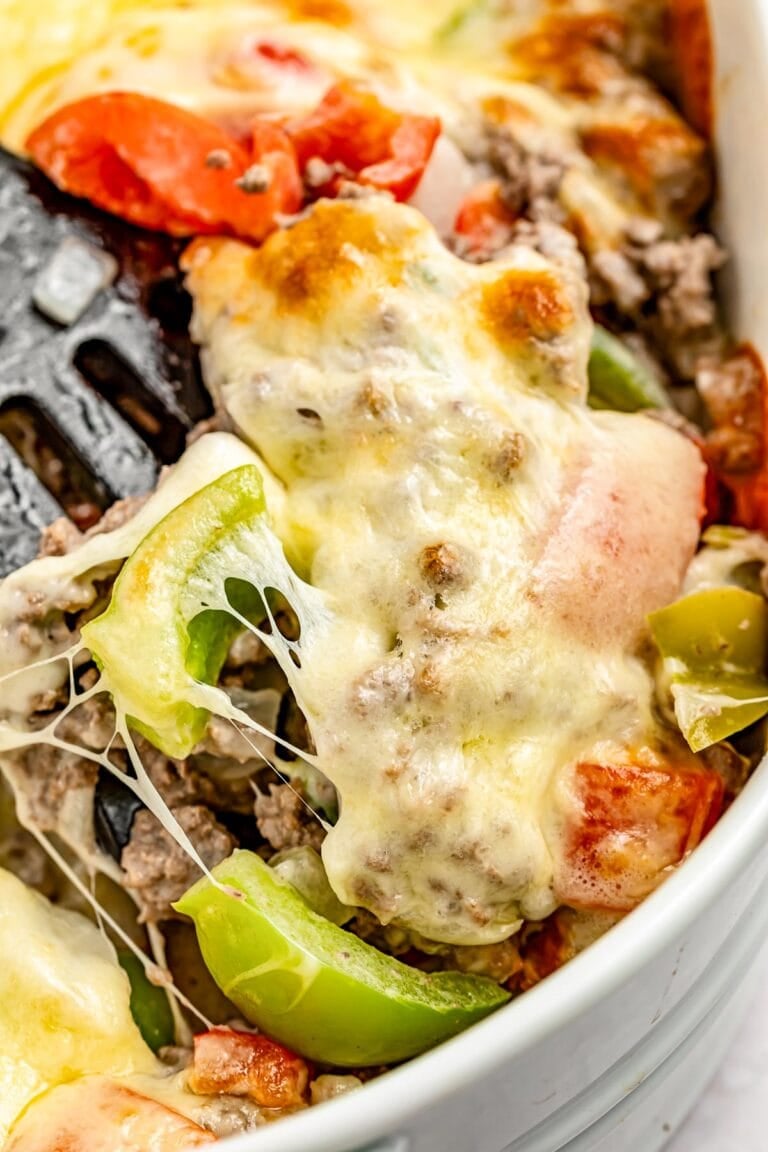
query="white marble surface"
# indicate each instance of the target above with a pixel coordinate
(732, 1116)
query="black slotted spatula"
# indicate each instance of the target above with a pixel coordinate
(90, 407)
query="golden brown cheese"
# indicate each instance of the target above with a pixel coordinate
(617, 134)
(486, 552)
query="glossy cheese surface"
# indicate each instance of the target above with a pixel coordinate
(559, 76)
(65, 1002)
(486, 549)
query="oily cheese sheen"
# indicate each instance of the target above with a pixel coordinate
(559, 78)
(65, 1010)
(196, 55)
(486, 551)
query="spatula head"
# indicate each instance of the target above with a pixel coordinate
(88, 410)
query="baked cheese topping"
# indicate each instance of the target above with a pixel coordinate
(484, 543)
(558, 79)
(70, 580)
(65, 1002)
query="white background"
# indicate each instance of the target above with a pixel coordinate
(732, 1116)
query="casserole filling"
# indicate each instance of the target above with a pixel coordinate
(415, 673)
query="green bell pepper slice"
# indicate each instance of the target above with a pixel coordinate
(715, 644)
(149, 1004)
(313, 986)
(303, 868)
(151, 654)
(618, 379)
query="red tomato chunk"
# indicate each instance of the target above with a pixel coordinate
(245, 1064)
(631, 822)
(164, 168)
(376, 145)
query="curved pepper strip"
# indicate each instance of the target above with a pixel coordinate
(618, 380)
(715, 645)
(314, 987)
(150, 653)
(149, 1003)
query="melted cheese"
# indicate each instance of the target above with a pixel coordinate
(481, 553)
(427, 421)
(65, 1025)
(626, 151)
(486, 550)
(69, 581)
(65, 1010)
(201, 57)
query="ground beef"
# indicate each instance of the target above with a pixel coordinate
(63, 536)
(665, 288)
(224, 742)
(679, 274)
(328, 1087)
(231, 1115)
(158, 871)
(499, 961)
(118, 514)
(42, 624)
(389, 938)
(553, 242)
(45, 777)
(732, 390)
(615, 280)
(530, 180)
(178, 781)
(91, 724)
(247, 649)
(730, 765)
(221, 421)
(21, 854)
(284, 820)
(59, 538)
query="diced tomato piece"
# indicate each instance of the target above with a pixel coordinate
(739, 414)
(693, 58)
(750, 501)
(631, 822)
(165, 168)
(378, 146)
(484, 221)
(713, 497)
(750, 492)
(246, 1064)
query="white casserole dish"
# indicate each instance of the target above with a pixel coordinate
(610, 1053)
